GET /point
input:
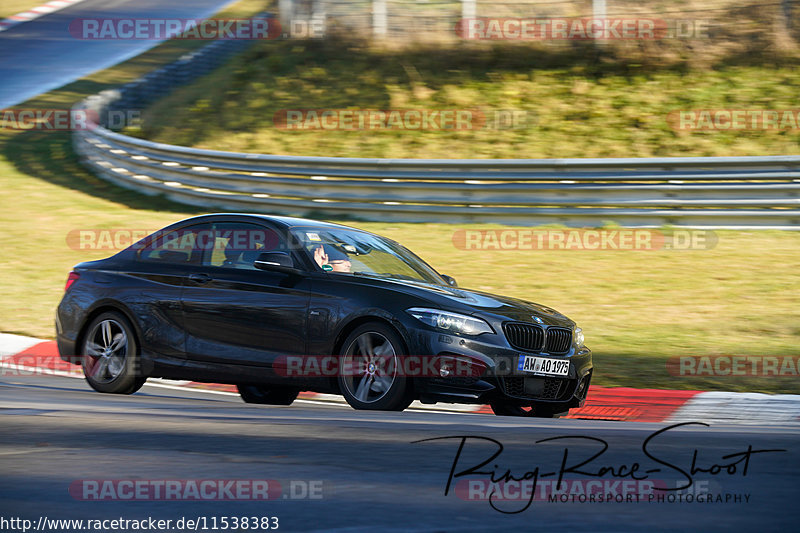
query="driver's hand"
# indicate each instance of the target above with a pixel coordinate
(320, 256)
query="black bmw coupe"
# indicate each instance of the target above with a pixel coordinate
(279, 305)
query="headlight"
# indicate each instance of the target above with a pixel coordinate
(577, 337)
(452, 322)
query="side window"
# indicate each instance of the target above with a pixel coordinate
(238, 244)
(177, 247)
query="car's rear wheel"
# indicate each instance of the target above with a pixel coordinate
(501, 408)
(369, 369)
(268, 394)
(109, 357)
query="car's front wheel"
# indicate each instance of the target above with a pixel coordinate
(369, 369)
(501, 408)
(268, 394)
(109, 357)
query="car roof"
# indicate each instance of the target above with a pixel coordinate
(285, 222)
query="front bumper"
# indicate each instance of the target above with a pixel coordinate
(500, 381)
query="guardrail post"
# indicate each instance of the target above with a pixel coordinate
(379, 14)
(469, 10)
(285, 14)
(599, 13)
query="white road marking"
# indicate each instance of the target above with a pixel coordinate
(748, 408)
(14, 344)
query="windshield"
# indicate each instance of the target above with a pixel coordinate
(362, 254)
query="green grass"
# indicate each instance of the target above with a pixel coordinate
(637, 308)
(585, 109)
(12, 7)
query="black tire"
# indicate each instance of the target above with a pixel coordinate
(268, 395)
(110, 357)
(502, 408)
(383, 388)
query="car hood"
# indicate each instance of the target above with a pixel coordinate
(482, 303)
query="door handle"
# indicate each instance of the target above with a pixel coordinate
(199, 278)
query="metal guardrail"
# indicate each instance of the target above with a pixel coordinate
(755, 192)
(712, 192)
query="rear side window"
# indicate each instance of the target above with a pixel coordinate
(175, 247)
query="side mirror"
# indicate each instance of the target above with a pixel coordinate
(450, 280)
(275, 261)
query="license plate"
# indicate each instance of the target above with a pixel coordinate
(543, 366)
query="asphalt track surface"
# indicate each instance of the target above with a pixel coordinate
(41, 55)
(55, 431)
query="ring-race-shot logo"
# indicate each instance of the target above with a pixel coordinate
(178, 28)
(477, 471)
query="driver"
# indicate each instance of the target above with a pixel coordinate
(325, 254)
